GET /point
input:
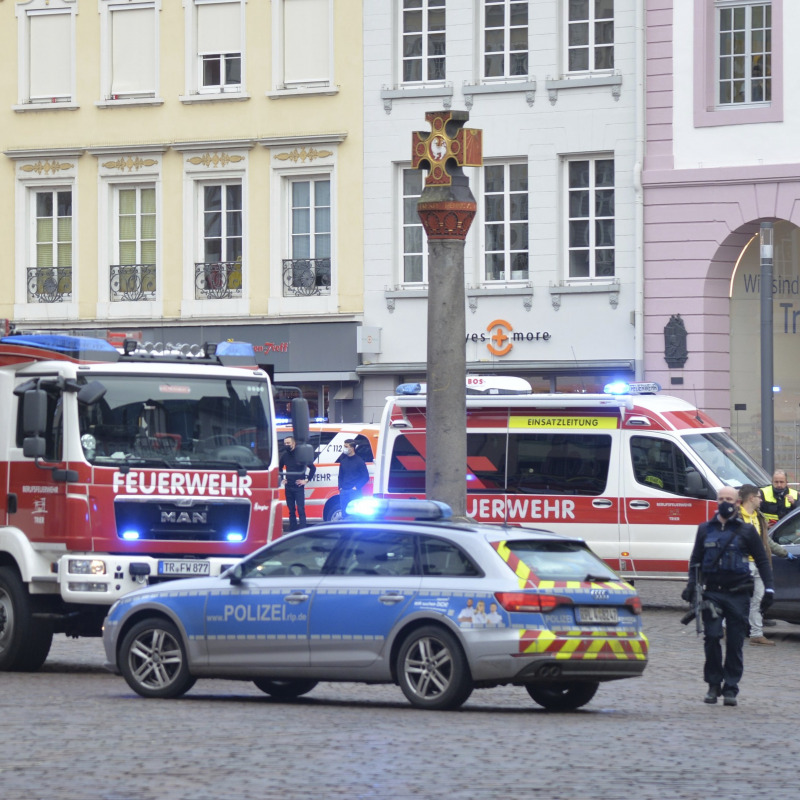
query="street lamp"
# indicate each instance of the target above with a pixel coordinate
(767, 394)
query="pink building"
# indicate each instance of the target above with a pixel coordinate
(721, 156)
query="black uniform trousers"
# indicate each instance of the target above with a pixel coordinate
(296, 499)
(734, 608)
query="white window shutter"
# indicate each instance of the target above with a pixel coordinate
(50, 56)
(219, 28)
(133, 51)
(306, 41)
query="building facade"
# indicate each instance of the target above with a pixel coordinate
(553, 258)
(721, 158)
(187, 171)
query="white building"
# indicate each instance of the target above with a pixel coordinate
(553, 260)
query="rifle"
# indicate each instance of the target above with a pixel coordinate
(699, 605)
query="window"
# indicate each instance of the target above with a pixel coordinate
(46, 54)
(306, 31)
(660, 464)
(514, 463)
(505, 39)
(591, 218)
(590, 35)
(133, 275)
(505, 199)
(50, 281)
(304, 554)
(744, 52)
(308, 269)
(219, 275)
(440, 557)
(415, 250)
(129, 68)
(378, 552)
(423, 44)
(218, 38)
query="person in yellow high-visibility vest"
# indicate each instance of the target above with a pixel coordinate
(777, 499)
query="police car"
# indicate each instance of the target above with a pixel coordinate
(413, 598)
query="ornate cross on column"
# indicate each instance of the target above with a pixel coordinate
(446, 206)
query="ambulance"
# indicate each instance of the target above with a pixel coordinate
(630, 471)
(327, 439)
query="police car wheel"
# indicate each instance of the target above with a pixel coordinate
(152, 660)
(432, 669)
(284, 690)
(563, 696)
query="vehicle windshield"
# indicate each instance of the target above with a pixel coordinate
(561, 561)
(163, 421)
(726, 459)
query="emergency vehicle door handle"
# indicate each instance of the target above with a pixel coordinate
(639, 504)
(395, 597)
(602, 503)
(296, 597)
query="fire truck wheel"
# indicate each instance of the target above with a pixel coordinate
(153, 661)
(333, 511)
(563, 697)
(24, 640)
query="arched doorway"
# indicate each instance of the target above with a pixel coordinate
(745, 344)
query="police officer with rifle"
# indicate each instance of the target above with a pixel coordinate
(720, 587)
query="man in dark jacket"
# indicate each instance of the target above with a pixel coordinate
(721, 552)
(294, 483)
(353, 475)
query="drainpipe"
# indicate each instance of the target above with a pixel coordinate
(639, 70)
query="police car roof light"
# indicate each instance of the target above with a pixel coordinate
(376, 508)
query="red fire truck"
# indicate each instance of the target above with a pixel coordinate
(123, 467)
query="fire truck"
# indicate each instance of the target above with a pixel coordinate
(121, 467)
(631, 471)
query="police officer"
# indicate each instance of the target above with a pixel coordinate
(777, 498)
(295, 483)
(721, 551)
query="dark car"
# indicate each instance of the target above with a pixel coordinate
(787, 571)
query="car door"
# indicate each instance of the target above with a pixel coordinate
(787, 572)
(261, 618)
(373, 584)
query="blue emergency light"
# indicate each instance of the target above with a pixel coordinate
(376, 508)
(81, 348)
(622, 387)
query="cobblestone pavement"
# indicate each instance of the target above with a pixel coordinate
(75, 732)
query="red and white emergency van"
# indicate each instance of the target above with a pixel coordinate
(119, 469)
(632, 474)
(327, 439)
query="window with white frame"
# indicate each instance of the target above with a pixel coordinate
(415, 246)
(47, 51)
(218, 275)
(423, 41)
(590, 217)
(50, 279)
(744, 52)
(505, 208)
(219, 45)
(133, 273)
(505, 39)
(305, 46)
(307, 270)
(590, 35)
(130, 47)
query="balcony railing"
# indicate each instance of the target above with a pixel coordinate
(218, 280)
(133, 282)
(49, 284)
(306, 277)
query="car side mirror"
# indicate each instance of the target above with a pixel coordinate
(235, 575)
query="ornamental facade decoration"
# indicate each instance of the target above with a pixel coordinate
(310, 154)
(130, 163)
(47, 167)
(215, 160)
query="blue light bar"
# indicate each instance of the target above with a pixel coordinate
(621, 387)
(409, 388)
(81, 348)
(376, 508)
(235, 354)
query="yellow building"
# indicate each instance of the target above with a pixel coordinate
(188, 171)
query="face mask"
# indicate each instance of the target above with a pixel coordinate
(726, 509)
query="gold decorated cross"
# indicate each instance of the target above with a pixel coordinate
(447, 143)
